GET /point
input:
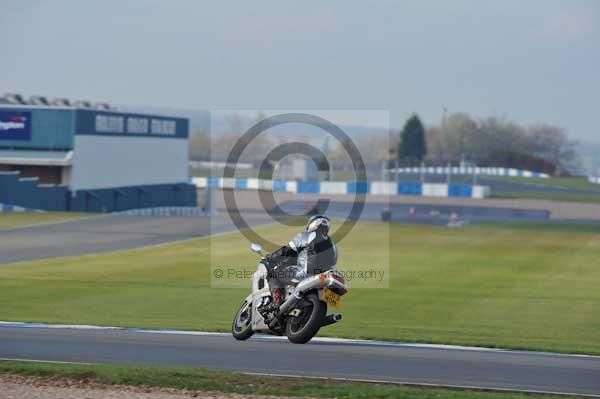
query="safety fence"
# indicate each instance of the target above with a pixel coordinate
(347, 187)
(468, 170)
(165, 211)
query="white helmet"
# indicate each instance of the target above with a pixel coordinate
(318, 222)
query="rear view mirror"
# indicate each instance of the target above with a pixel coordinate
(256, 248)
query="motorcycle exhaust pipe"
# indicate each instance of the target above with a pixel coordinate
(332, 319)
(288, 305)
(284, 309)
(304, 286)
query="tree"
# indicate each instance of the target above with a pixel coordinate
(460, 136)
(500, 134)
(436, 147)
(496, 141)
(552, 143)
(412, 140)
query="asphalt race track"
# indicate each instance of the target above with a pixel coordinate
(108, 233)
(346, 359)
(488, 369)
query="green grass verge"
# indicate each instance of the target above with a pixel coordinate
(230, 382)
(567, 226)
(580, 183)
(18, 219)
(521, 287)
(558, 196)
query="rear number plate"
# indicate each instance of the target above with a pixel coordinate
(331, 297)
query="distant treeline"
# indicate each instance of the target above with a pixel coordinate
(489, 141)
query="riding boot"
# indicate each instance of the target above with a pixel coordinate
(277, 296)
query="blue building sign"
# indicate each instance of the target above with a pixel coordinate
(15, 125)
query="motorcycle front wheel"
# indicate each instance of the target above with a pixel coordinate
(302, 328)
(241, 328)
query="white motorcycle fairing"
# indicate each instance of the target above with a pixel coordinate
(260, 290)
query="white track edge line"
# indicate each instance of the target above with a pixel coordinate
(10, 359)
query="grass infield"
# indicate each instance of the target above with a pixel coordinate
(204, 380)
(514, 286)
(557, 196)
(580, 183)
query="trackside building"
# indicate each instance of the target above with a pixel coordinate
(75, 159)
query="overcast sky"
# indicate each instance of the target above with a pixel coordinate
(532, 61)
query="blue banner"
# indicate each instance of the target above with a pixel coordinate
(15, 125)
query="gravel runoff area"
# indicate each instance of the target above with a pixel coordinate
(26, 387)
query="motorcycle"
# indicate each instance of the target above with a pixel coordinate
(302, 312)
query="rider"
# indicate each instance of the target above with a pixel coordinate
(310, 252)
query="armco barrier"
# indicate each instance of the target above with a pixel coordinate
(333, 187)
(380, 188)
(308, 188)
(241, 183)
(279, 185)
(435, 190)
(291, 186)
(357, 187)
(460, 190)
(384, 188)
(481, 191)
(410, 189)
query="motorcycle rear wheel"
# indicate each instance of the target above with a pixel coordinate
(241, 329)
(304, 327)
